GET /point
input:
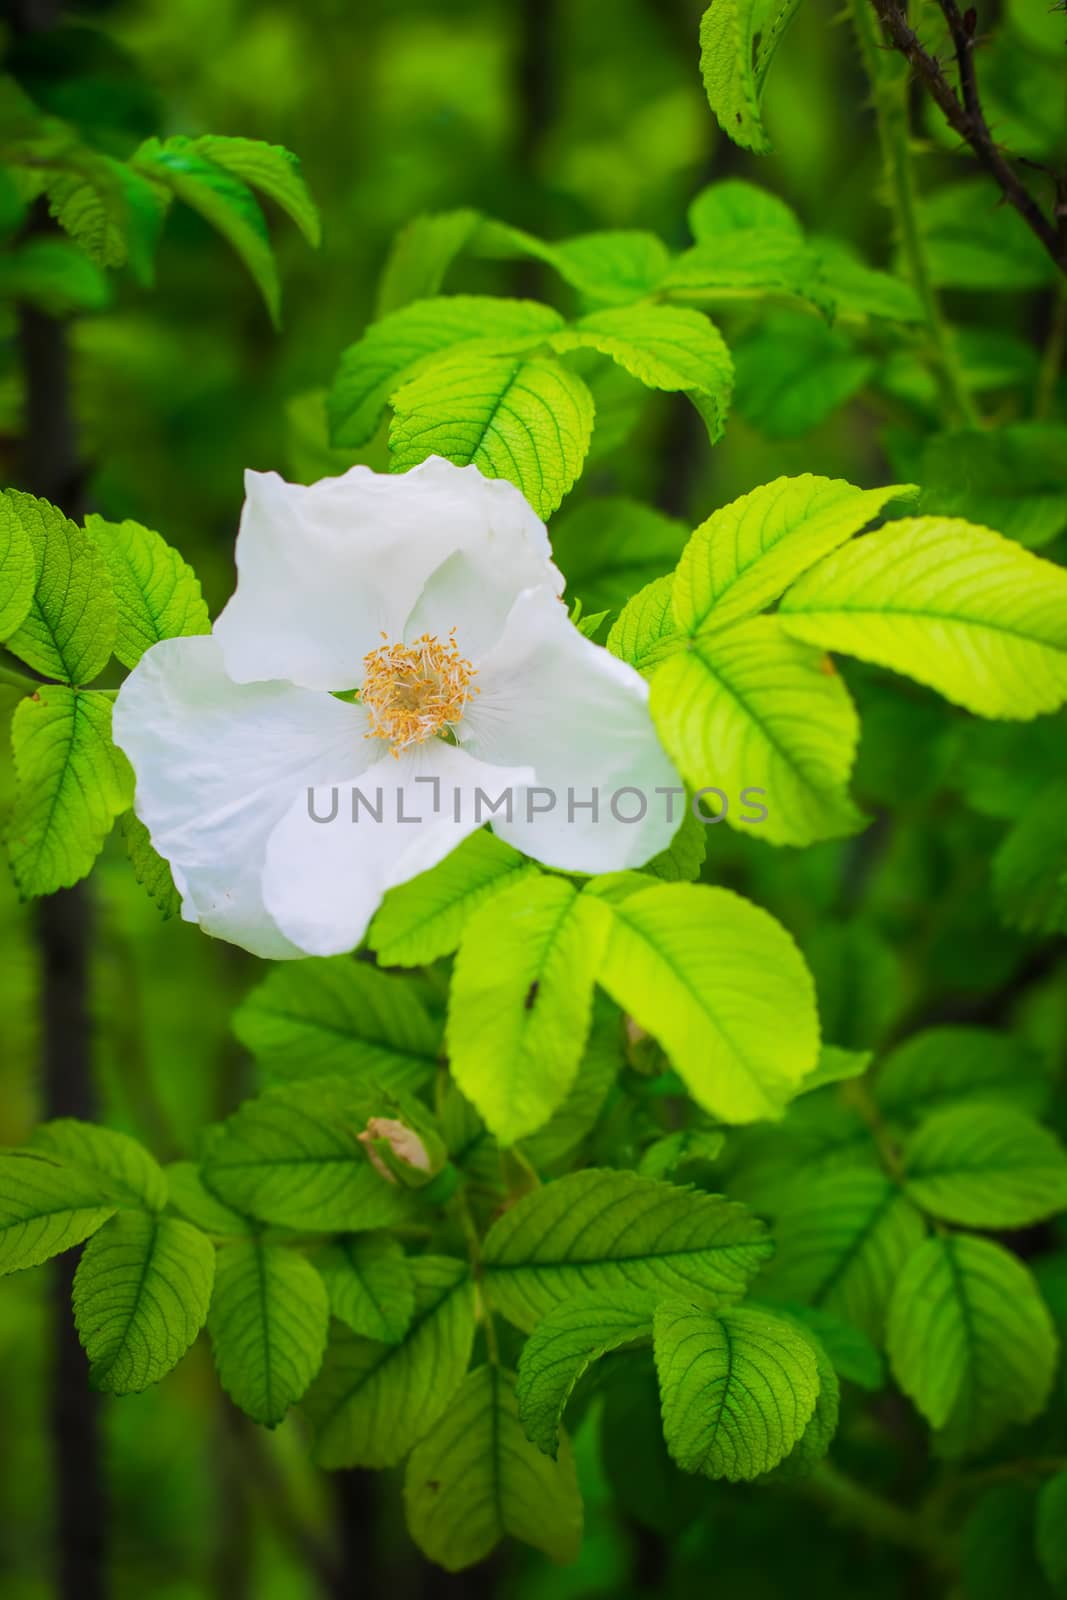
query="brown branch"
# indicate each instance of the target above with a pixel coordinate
(965, 116)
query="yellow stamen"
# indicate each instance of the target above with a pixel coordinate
(414, 691)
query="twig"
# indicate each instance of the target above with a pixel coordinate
(965, 116)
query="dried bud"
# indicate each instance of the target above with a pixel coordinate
(402, 1154)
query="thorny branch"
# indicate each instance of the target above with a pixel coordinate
(966, 118)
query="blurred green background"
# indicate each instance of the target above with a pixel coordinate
(560, 116)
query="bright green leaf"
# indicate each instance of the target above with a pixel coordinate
(955, 606)
(46, 1208)
(222, 199)
(69, 630)
(370, 1285)
(157, 593)
(749, 708)
(722, 987)
(970, 1340)
(120, 1165)
(395, 350)
(664, 347)
(141, 1295)
(748, 552)
(841, 1245)
(293, 1157)
(607, 1232)
(475, 1479)
(271, 169)
(986, 1167)
(372, 1401)
(18, 568)
(72, 784)
(268, 1321)
(149, 867)
(737, 1390)
(521, 1002)
(338, 1015)
(526, 420)
(424, 919)
(561, 1348)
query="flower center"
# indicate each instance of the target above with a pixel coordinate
(414, 691)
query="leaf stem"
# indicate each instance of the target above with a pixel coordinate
(876, 1516)
(889, 90)
(474, 1251)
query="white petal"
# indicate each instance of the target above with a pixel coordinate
(579, 717)
(324, 571)
(217, 765)
(325, 878)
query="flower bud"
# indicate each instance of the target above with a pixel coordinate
(402, 1154)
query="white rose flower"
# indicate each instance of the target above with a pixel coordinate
(430, 602)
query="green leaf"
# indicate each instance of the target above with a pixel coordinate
(610, 547)
(421, 255)
(72, 784)
(475, 1479)
(853, 1355)
(561, 1348)
(526, 420)
(997, 1556)
(821, 1426)
(223, 200)
(1052, 1532)
(688, 1147)
(722, 987)
(18, 568)
(646, 631)
(113, 213)
(733, 206)
(793, 372)
(685, 855)
(1030, 867)
(564, 1132)
(69, 630)
(613, 265)
(270, 168)
(747, 265)
(857, 290)
(55, 276)
(748, 553)
(196, 1203)
(120, 1165)
(338, 1015)
(141, 1294)
(973, 241)
(372, 1401)
(665, 347)
(1012, 478)
(738, 39)
(424, 919)
(737, 1390)
(754, 709)
(157, 593)
(404, 343)
(957, 607)
(370, 1285)
(149, 867)
(841, 1245)
(955, 1065)
(606, 1233)
(46, 1208)
(970, 1340)
(836, 1066)
(268, 1322)
(521, 1002)
(292, 1157)
(986, 1167)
